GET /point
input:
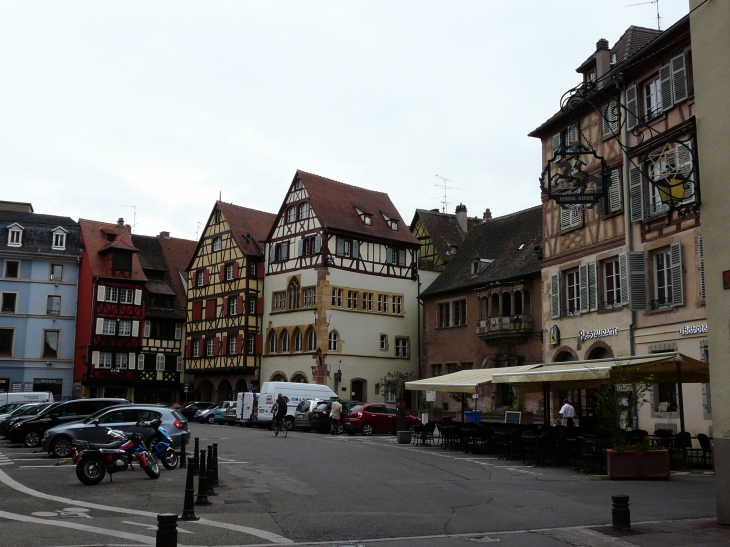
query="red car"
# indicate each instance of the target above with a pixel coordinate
(372, 418)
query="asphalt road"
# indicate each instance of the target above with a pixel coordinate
(311, 488)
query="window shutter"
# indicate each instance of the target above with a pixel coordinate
(583, 274)
(224, 310)
(623, 268)
(300, 246)
(632, 110)
(340, 247)
(556, 145)
(285, 251)
(189, 345)
(101, 293)
(99, 326)
(605, 123)
(600, 207)
(224, 345)
(135, 328)
(178, 331)
(239, 343)
(132, 364)
(206, 277)
(555, 295)
(179, 363)
(259, 344)
(564, 219)
(317, 243)
(679, 79)
(355, 249)
(137, 297)
(675, 252)
(388, 255)
(260, 305)
(572, 134)
(235, 270)
(665, 75)
(259, 270)
(215, 346)
(239, 305)
(638, 283)
(272, 252)
(222, 273)
(95, 359)
(592, 287)
(147, 328)
(636, 191)
(701, 255)
(160, 363)
(614, 192)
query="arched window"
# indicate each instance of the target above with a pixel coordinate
(311, 340)
(334, 341)
(278, 377)
(297, 340)
(285, 342)
(506, 304)
(304, 211)
(299, 378)
(291, 214)
(294, 293)
(495, 305)
(483, 308)
(518, 303)
(216, 244)
(272, 342)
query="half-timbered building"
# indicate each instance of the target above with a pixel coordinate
(225, 280)
(110, 311)
(341, 291)
(626, 276)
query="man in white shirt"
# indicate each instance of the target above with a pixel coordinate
(567, 413)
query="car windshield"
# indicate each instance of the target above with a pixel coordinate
(356, 408)
(6, 408)
(21, 410)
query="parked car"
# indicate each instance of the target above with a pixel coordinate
(30, 432)
(9, 408)
(215, 414)
(372, 418)
(58, 440)
(190, 409)
(177, 405)
(25, 412)
(320, 418)
(303, 413)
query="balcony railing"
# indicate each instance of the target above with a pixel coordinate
(504, 327)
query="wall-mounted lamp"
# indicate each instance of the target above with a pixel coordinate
(49, 363)
(330, 261)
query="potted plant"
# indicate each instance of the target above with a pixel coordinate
(638, 461)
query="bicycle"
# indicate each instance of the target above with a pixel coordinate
(275, 429)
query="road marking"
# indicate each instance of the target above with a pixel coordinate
(152, 526)
(12, 483)
(47, 466)
(147, 540)
(221, 463)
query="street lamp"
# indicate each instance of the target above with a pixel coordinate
(338, 376)
(517, 322)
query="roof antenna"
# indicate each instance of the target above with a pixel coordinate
(443, 185)
(658, 19)
(134, 217)
(197, 227)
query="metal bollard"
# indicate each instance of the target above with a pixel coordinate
(209, 471)
(621, 515)
(183, 458)
(189, 505)
(166, 530)
(202, 483)
(215, 465)
(196, 459)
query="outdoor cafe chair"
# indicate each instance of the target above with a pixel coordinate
(585, 454)
(706, 448)
(529, 440)
(417, 433)
(546, 448)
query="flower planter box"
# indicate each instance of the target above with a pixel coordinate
(638, 464)
(404, 437)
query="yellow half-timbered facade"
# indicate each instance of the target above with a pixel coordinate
(225, 304)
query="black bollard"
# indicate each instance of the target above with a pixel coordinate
(215, 465)
(196, 460)
(189, 505)
(166, 530)
(209, 472)
(621, 515)
(202, 483)
(183, 459)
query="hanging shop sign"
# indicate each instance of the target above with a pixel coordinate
(691, 329)
(600, 333)
(554, 335)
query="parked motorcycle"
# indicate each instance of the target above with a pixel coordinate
(92, 464)
(162, 449)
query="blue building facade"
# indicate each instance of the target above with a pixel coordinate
(39, 273)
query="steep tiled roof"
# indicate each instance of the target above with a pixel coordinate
(242, 221)
(37, 233)
(499, 240)
(178, 253)
(631, 41)
(95, 240)
(334, 205)
(444, 230)
(150, 252)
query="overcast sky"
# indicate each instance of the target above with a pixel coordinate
(162, 105)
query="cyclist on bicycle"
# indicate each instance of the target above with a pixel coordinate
(281, 409)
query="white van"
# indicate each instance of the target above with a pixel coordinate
(294, 393)
(26, 397)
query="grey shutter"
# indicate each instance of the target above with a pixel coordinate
(610, 118)
(583, 275)
(572, 135)
(675, 252)
(665, 76)
(340, 247)
(285, 251)
(556, 145)
(388, 255)
(317, 243)
(137, 297)
(132, 364)
(135, 329)
(600, 209)
(636, 191)
(95, 359)
(701, 255)
(555, 295)
(565, 218)
(592, 287)
(632, 110)
(272, 252)
(100, 293)
(179, 363)
(147, 328)
(623, 269)
(614, 193)
(679, 79)
(178, 330)
(638, 282)
(301, 246)
(606, 128)
(99, 326)
(355, 249)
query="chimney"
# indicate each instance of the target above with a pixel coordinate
(165, 235)
(120, 223)
(487, 215)
(461, 217)
(603, 60)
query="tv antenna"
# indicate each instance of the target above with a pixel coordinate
(656, 2)
(445, 187)
(134, 217)
(198, 226)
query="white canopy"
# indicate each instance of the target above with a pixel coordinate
(464, 381)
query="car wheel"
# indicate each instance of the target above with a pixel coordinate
(367, 429)
(340, 429)
(211, 419)
(31, 439)
(61, 447)
(289, 423)
(231, 423)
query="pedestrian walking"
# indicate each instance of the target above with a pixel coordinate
(567, 413)
(335, 417)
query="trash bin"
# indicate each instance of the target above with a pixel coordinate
(473, 416)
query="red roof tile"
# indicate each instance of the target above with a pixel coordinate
(94, 237)
(243, 221)
(177, 253)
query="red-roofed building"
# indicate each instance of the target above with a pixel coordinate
(341, 282)
(225, 305)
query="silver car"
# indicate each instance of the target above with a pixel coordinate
(303, 413)
(58, 440)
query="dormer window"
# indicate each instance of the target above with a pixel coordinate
(394, 225)
(453, 249)
(613, 58)
(298, 185)
(15, 235)
(475, 267)
(368, 220)
(59, 239)
(591, 76)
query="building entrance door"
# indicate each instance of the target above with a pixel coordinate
(358, 391)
